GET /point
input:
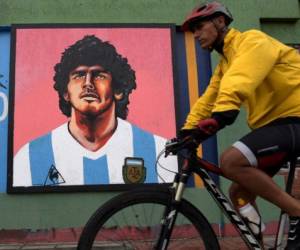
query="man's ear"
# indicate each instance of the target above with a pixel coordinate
(118, 96)
(66, 97)
(221, 20)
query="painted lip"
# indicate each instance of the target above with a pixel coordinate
(89, 95)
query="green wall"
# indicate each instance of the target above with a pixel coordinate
(276, 17)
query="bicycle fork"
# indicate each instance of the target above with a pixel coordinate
(171, 211)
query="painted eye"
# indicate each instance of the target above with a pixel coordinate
(78, 75)
(101, 76)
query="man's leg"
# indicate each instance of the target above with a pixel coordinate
(253, 159)
(244, 203)
(237, 168)
(240, 196)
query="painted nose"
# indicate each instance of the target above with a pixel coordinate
(88, 82)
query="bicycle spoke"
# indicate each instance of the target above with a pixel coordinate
(138, 226)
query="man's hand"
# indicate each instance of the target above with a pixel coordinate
(205, 129)
(209, 126)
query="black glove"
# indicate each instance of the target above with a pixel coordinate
(196, 134)
(205, 129)
(191, 137)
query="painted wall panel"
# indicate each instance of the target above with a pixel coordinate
(4, 88)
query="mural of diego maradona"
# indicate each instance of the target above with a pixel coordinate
(93, 82)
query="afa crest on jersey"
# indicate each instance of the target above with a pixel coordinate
(134, 170)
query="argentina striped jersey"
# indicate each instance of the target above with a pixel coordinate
(76, 165)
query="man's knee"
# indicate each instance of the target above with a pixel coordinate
(231, 160)
(227, 160)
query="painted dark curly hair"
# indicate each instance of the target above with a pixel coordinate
(93, 51)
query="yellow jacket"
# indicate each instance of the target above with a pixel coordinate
(256, 71)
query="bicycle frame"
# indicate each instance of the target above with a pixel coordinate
(283, 216)
(228, 209)
(223, 202)
(199, 166)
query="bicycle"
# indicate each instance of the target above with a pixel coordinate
(160, 218)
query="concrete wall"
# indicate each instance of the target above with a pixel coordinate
(279, 18)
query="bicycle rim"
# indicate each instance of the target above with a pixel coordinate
(133, 221)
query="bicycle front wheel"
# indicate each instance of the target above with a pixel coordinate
(132, 220)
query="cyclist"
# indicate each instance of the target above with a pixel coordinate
(262, 74)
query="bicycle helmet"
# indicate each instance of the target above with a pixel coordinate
(206, 11)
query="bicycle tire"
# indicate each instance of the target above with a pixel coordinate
(130, 236)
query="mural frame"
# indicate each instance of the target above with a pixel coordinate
(17, 92)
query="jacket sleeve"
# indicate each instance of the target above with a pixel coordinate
(254, 59)
(202, 108)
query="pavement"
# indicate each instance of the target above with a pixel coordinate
(226, 243)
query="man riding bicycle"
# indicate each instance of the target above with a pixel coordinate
(263, 75)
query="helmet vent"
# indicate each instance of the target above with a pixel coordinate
(202, 8)
(206, 11)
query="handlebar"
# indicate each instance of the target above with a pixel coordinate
(175, 145)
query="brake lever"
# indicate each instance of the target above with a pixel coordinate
(174, 145)
(170, 146)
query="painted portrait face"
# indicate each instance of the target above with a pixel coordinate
(90, 90)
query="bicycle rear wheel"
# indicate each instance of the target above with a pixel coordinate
(132, 220)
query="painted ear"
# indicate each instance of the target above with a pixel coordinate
(66, 97)
(118, 96)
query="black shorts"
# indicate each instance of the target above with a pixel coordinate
(270, 146)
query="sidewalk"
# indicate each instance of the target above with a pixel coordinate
(236, 243)
(41, 246)
(226, 243)
(66, 239)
